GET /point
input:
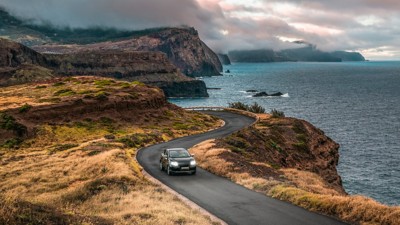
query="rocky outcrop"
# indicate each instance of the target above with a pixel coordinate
(348, 56)
(265, 94)
(13, 54)
(182, 46)
(288, 143)
(224, 59)
(20, 64)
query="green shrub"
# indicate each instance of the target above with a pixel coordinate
(41, 87)
(256, 108)
(277, 114)
(238, 105)
(275, 146)
(8, 122)
(12, 143)
(25, 108)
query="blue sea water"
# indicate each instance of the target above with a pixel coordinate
(356, 103)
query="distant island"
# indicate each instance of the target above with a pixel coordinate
(310, 53)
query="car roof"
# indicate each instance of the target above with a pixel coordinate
(169, 149)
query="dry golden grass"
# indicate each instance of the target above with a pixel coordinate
(302, 188)
(354, 209)
(308, 181)
(105, 184)
(71, 173)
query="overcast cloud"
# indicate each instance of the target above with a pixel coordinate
(369, 26)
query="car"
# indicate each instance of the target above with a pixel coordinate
(177, 160)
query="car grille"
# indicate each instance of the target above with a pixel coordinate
(184, 164)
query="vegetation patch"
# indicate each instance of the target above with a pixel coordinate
(12, 143)
(103, 83)
(277, 114)
(62, 147)
(254, 108)
(58, 84)
(138, 83)
(101, 96)
(140, 139)
(8, 122)
(64, 92)
(25, 108)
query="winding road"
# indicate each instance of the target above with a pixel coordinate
(228, 201)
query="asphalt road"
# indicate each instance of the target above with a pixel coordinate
(230, 202)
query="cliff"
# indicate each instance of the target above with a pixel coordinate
(348, 56)
(21, 64)
(285, 143)
(182, 46)
(224, 59)
(152, 68)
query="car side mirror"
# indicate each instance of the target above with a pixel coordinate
(163, 155)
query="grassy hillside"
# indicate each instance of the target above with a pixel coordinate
(68, 148)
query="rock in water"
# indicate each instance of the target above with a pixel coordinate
(261, 94)
(277, 94)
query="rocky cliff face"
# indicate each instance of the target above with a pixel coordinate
(13, 54)
(349, 56)
(182, 46)
(20, 64)
(289, 143)
(151, 68)
(224, 59)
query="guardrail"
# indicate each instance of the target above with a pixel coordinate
(238, 111)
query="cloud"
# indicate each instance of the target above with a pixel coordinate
(370, 26)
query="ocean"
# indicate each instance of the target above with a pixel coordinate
(357, 104)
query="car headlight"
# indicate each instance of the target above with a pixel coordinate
(174, 164)
(193, 162)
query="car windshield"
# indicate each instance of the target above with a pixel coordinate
(179, 154)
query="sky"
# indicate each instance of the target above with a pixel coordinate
(371, 27)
